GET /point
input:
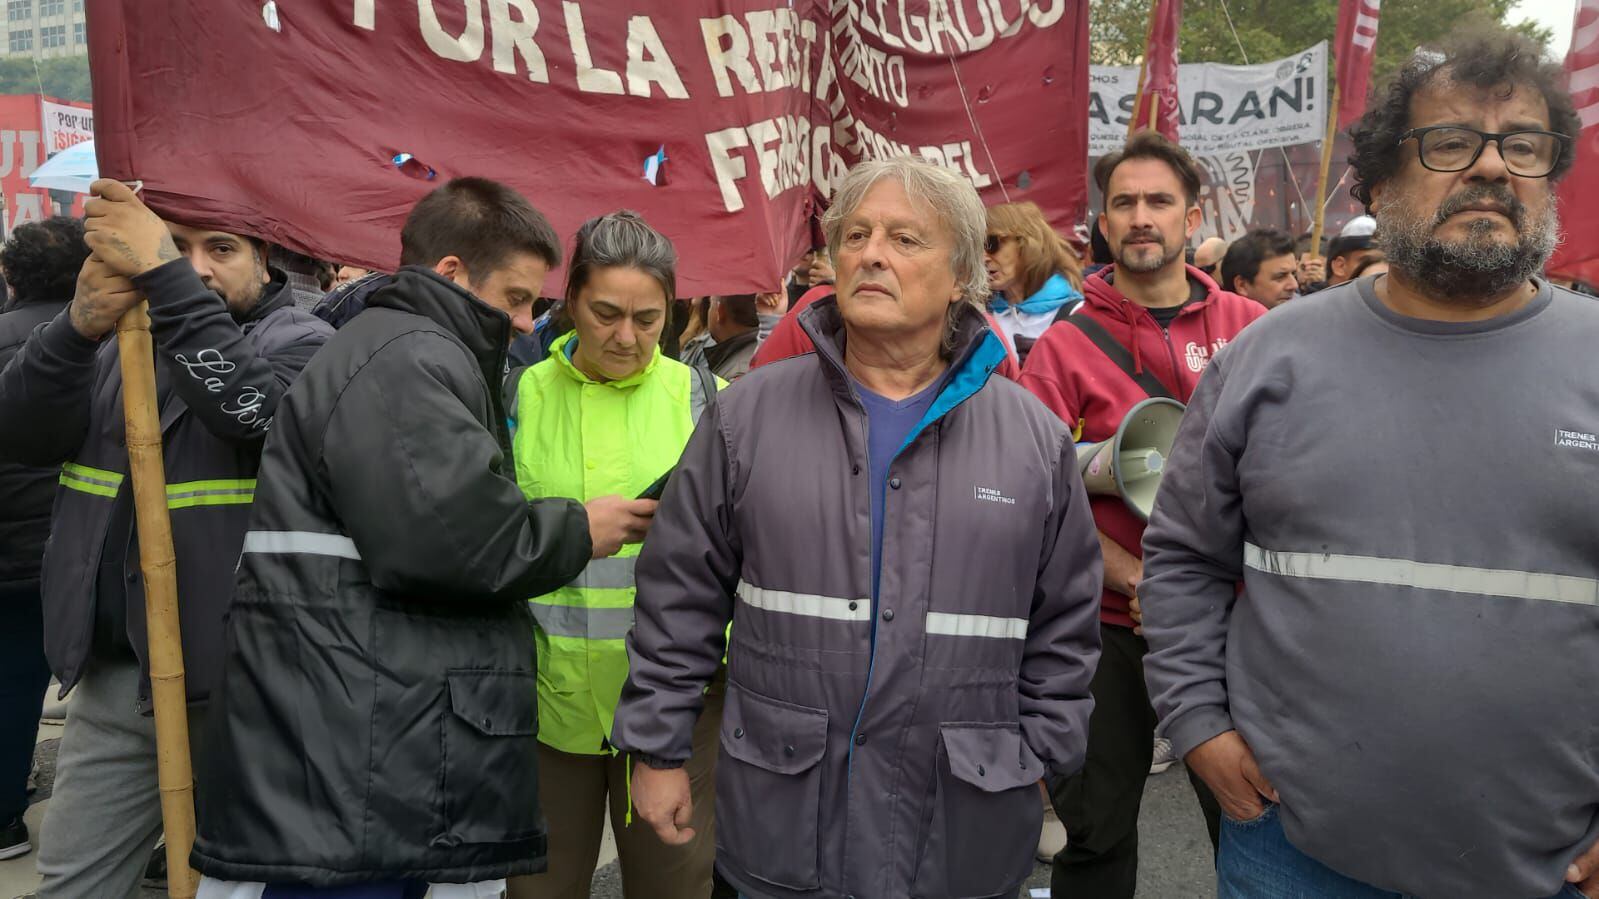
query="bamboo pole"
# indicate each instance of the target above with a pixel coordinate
(158, 561)
(1327, 143)
(1143, 72)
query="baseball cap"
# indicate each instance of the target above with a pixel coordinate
(1356, 235)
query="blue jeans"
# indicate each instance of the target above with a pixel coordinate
(1256, 861)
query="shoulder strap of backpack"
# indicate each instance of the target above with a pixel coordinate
(701, 392)
(1118, 354)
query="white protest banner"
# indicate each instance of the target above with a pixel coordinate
(1225, 109)
(65, 126)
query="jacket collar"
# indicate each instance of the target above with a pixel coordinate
(276, 295)
(563, 347)
(484, 330)
(1055, 293)
(720, 351)
(824, 323)
(1101, 291)
(978, 351)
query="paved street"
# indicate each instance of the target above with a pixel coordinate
(1176, 854)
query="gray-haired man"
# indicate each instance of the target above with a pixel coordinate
(1402, 473)
(895, 689)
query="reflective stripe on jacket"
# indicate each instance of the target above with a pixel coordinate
(219, 381)
(582, 438)
(871, 746)
(376, 715)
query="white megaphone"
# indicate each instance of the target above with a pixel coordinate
(1130, 464)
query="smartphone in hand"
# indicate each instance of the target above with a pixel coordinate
(655, 490)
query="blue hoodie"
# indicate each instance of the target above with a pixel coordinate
(1025, 322)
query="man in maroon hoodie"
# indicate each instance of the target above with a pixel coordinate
(1171, 318)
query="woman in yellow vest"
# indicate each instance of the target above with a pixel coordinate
(606, 414)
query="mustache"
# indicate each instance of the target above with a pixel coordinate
(1148, 234)
(1478, 194)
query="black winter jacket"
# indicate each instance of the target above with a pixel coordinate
(378, 712)
(26, 491)
(219, 382)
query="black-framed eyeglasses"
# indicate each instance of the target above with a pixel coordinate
(1455, 148)
(992, 243)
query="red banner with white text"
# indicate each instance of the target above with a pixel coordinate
(32, 129)
(726, 124)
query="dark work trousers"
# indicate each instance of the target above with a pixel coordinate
(1099, 804)
(23, 679)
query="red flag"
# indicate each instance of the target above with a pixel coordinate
(1160, 71)
(1355, 48)
(1578, 255)
(337, 117)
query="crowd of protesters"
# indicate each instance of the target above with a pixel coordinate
(802, 590)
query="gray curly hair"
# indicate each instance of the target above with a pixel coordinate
(936, 189)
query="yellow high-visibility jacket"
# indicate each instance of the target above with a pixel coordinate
(581, 438)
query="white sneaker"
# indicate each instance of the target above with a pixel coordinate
(55, 710)
(1164, 756)
(1051, 837)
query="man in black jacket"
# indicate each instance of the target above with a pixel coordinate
(377, 721)
(40, 263)
(228, 341)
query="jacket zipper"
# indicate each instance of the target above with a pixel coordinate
(871, 664)
(1171, 353)
(871, 658)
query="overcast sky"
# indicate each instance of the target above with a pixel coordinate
(1556, 15)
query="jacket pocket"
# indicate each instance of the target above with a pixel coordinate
(769, 787)
(982, 828)
(490, 778)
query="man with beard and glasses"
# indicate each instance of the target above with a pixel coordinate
(1168, 319)
(1403, 474)
(228, 342)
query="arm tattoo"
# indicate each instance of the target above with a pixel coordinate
(81, 317)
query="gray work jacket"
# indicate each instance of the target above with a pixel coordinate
(871, 746)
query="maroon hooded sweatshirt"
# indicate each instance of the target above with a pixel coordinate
(1092, 394)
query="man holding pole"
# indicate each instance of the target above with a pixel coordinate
(228, 340)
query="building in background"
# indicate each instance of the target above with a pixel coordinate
(43, 29)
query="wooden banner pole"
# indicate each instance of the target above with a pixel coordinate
(1143, 71)
(1321, 180)
(158, 561)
